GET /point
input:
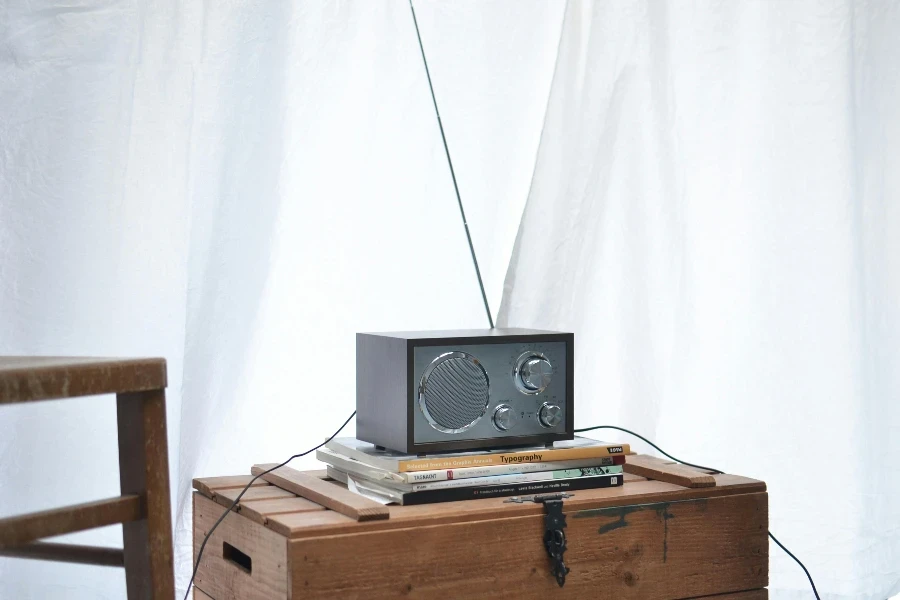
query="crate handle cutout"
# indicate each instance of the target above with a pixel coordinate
(238, 558)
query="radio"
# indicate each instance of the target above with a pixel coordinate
(435, 391)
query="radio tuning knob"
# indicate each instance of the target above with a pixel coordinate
(535, 373)
(550, 415)
(504, 417)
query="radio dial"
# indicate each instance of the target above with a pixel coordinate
(550, 415)
(504, 417)
(533, 373)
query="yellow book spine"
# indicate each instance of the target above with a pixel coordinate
(507, 458)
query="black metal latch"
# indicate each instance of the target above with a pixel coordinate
(554, 536)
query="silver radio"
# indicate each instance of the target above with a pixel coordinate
(436, 391)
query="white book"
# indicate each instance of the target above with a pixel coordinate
(507, 479)
(388, 494)
(351, 465)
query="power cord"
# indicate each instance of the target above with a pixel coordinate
(341, 428)
(713, 471)
(243, 491)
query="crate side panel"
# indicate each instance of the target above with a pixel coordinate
(242, 560)
(661, 551)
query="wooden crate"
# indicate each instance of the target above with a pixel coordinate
(647, 540)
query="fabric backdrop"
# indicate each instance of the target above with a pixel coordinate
(241, 186)
(714, 211)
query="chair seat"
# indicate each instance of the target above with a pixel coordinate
(30, 378)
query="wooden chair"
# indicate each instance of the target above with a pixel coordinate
(143, 508)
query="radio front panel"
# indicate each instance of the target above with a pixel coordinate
(488, 391)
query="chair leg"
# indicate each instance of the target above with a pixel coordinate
(144, 469)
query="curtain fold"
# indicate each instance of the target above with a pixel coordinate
(714, 212)
(240, 187)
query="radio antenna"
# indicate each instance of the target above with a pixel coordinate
(487, 308)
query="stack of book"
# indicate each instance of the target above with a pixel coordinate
(393, 477)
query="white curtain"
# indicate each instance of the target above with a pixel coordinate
(715, 211)
(240, 187)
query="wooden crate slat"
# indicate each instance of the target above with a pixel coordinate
(668, 471)
(297, 525)
(22, 529)
(210, 485)
(261, 510)
(29, 378)
(262, 492)
(322, 492)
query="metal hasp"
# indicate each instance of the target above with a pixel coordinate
(554, 536)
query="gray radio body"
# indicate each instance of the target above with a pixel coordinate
(435, 391)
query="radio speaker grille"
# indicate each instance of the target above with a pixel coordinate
(454, 392)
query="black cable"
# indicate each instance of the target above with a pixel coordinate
(247, 487)
(802, 566)
(462, 212)
(333, 435)
(713, 471)
(660, 450)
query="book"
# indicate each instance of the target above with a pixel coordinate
(398, 462)
(503, 479)
(386, 494)
(374, 473)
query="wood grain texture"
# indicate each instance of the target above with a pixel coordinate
(261, 510)
(263, 492)
(302, 525)
(208, 486)
(144, 469)
(23, 529)
(668, 471)
(268, 577)
(86, 555)
(201, 595)
(657, 551)
(28, 379)
(143, 508)
(325, 493)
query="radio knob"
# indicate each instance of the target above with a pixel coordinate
(550, 415)
(535, 374)
(504, 417)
